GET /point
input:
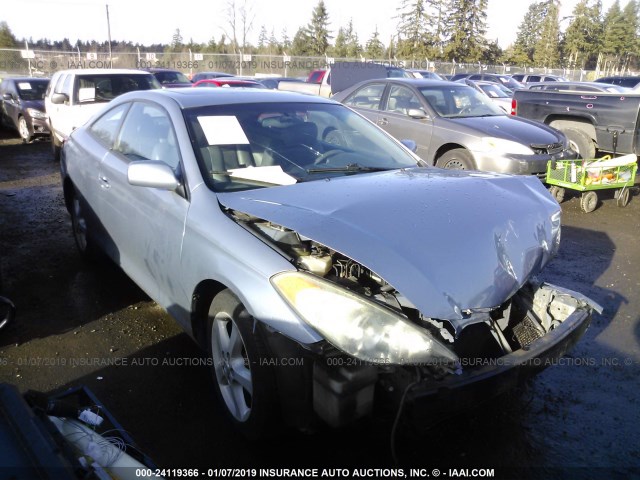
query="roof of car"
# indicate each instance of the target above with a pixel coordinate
(561, 85)
(27, 79)
(418, 82)
(201, 97)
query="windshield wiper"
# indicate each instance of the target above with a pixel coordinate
(352, 167)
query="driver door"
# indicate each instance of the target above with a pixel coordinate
(394, 118)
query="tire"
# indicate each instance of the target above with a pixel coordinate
(622, 197)
(580, 142)
(23, 130)
(589, 201)
(244, 382)
(56, 147)
(80, 228)
(557, 193)
(456, 159)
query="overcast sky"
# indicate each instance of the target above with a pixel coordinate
(155, 22)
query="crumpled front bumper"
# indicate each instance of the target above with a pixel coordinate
(491, 377)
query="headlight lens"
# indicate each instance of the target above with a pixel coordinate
(500, 145)
(358, 326)
(36, 113)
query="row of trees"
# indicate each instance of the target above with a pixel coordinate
(448, 30)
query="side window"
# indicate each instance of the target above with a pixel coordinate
(147, 134)
(67, 86)
(401, 99)
(59, 84)
(534, 78)
(366, 97)
(106, 127)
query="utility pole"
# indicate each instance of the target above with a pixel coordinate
(109, 33)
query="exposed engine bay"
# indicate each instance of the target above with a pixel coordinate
(488, 333)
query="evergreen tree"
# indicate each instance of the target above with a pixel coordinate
(583, 37)
(439, 14)
(546, 51)
(7, 39)
(318, 30)
(286, 41)
(262, 39)
(340, 46)
(468, 27)
(529, 33)
(301, 44)
(413, 34)
(274, 47)
(176, 40)
(613, 38)
(374, 48)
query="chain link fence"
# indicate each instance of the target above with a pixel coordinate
(44, 63)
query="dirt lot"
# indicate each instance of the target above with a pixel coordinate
(578, 419)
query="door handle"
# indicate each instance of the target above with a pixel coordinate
(104, 182)
(383, 121)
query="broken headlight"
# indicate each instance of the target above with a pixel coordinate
(360, 327)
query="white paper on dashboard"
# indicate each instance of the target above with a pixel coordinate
(271, 174)
(86, 94)
(223, 130)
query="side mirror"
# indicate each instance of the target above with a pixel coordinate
(410, 144)
(7, 96)
(417, 113)
(59, 98)
(153, 174)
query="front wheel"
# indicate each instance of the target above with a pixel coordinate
(244, 379)
(80, 228)
(589, 201)
(456, 159)
(56, 147)
(23, 129)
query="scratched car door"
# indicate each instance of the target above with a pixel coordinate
(146, 223)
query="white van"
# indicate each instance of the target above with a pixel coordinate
(73, 96)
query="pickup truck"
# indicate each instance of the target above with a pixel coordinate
(592, 121)
(342, 75)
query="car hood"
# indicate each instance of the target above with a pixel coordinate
(510, 128)
(449, 241)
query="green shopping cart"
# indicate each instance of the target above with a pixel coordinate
(589, 176)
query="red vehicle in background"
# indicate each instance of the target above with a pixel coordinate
(316, 76)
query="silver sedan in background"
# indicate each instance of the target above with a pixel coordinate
(457, 127)
(322, 268)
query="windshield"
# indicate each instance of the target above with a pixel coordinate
(494, 91)
(104, 88)
(265, 144)
(32, 89)
(459, 101)
(171, 77)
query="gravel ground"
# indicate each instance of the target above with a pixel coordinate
(575, 420)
